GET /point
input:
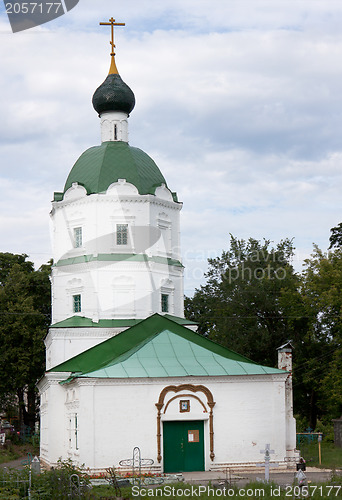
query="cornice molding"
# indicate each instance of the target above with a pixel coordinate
(208, 380)
(51, 378)
(109, 198)
(73, 332)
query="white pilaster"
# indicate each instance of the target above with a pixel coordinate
(285, 363)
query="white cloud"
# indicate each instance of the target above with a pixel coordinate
(239, 102)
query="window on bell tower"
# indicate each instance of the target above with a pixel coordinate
(76, 431)
(121, 234)
(77, 303)
(164, 303)
(78, 237)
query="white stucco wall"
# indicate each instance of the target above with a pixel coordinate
(52, 417)
(114, 416)
(112, 285)
(65, 343)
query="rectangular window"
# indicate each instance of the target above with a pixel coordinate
(76, 431)
(78, 237)
(121, 234)
(77, 303)
(69, 432)
(164, 303)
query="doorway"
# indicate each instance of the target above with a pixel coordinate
(183, 446)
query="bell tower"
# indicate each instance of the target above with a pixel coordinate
(115, 235)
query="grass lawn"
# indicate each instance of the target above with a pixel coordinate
(44, 486)
(55, 485)
(253, 491)
(331, 455)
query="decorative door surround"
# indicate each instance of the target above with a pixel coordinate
(192, 388)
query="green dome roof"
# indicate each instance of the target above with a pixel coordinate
(98, 167)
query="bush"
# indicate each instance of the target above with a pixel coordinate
(327, 428)
(65, 481)
(302, 423)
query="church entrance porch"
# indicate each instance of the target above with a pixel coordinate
(183, 446)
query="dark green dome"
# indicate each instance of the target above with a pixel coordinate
(113, 95)
(98, 167)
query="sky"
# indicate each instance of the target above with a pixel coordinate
(239, 102)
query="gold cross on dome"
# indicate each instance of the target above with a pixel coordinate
(112, 23)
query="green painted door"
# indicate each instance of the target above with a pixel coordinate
(183, 446)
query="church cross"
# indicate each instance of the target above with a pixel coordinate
(267, 451)
(112, 23)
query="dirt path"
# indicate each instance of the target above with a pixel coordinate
(14, 464)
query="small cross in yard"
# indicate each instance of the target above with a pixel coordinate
(267, 452)
(136, 462)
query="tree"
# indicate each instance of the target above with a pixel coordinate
(253, 301)
(244, 302)
(336, 236)
(25, 316)
(321, 290)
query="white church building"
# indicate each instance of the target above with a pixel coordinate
(124, 368)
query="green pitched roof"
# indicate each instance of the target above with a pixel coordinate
(159, 347)
(98, 167)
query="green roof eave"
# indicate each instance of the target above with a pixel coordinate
(180, 321)
(58, 196)
(132, 339)
(115, 257)
(83, 322)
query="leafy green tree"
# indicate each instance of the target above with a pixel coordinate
(244, 302)
(7, 261)
(253, 301)
(336, 236)
(25, 316)
(321, 290)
